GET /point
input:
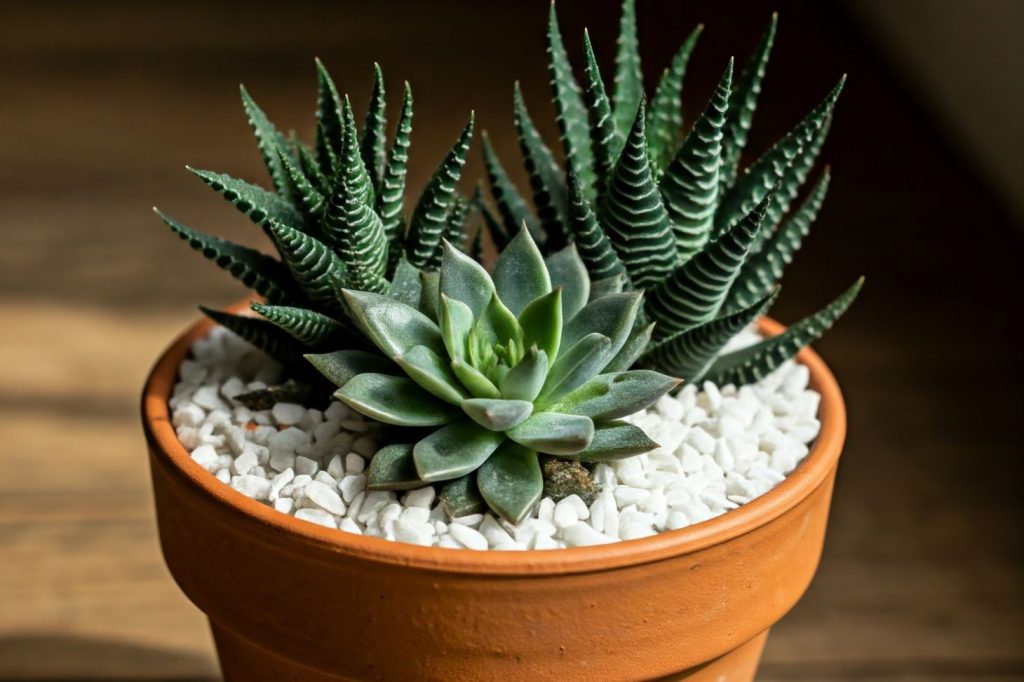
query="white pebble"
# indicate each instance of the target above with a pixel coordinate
(318, 516)
(351, 486)
(206, 456)
(287, 414)
(325, 497)
(252, 486)
(305, 465)
(583, 535)
(421, 497)
(470, 538)
(354, 464)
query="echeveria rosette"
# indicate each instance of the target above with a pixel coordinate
(515, 365)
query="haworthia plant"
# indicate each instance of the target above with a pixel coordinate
(530, 360)
(651, 208)
(336, 216)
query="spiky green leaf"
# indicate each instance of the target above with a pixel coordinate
(629, 80)
(260, 333)
(394, 400)
(307, 196)
(606, 137)
(546, 179)
(312, 329)
(593, 244)
(371, 142)
(511, 481)
(511, 205)
(455, 450)
(330, 125)
(253, 201)
(390, 198)
(269, 139)
(313, 265)
(665, 115)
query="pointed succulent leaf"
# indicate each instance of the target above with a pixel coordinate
(606, 137)
(554, 434)
(430, 283)
(393, 468)
(607, 286)
(610, 396)
(267, 277)
(690, 183)
(575, 367)
(629, 82)
(696, 290)
(311, 169)
(776, 167)
(634, 216)
(474, 381)
(340, 366)
(313, 265)
(497, 323)
(406, 285)
(499, 233)
(312, 329)
(752, 364)
(546, 179)
(665, 115)
(273, 341)
(763, 270)
(511, 205)
(461, 497)
(520, 275)
(371, 143)
(456, 321)
(394, 400)
(428, 218)
(571, 115)
(541, 322)
(433, 374)
(611, 316)
(593, 244)
(497, 415)
(455, 450)
(268, 139)
(395, 328)
(254, 202)
(525, 380)
(569, 273)
(742, 104)
(689, 353)
(308, 198)
(635, 345)
(454, 228)
(510, 481)
(330, 124)
(392, 187)
(615, 440)
(465, 280)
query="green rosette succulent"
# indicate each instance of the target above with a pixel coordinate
(503, 368)
(336, 217)
(670, 213)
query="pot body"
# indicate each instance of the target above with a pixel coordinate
(289, 600)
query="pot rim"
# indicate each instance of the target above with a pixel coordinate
(798, 485)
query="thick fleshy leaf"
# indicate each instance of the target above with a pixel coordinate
(431, 296)
(273, 341)
(329, 121)
(695, 291)
(510, 481)
(465, 280)
(575, 367)
(433, 373)
(690, 183)
(394, 400)
(511, 205)
(253, 201)
(629, 81)
(455, 450)
(776, 168)
(742, 104)
(612, 316)
(266, 276)
(456, 321)
(520, 275)
(496, 325)
(689, 353)
(393, 327)
(541, 322)
(477, 384)
(313, 265)
(310, 328)
(428, 218)
(526, 379)
(406, 286)
(752, 364)
(569, 273)
(634, 216)
(570, 113)
(393, 468)
(763, 270)
(610, 396)
(390, 198)
(546, 179)
(554, 434)
(340, 366)
(461, 497)
(665, 115)
(371, 143)
(607, 286)
(268, 139)
(616, 440)
(606, 136)
(595, 248)
(632, 349)
(497, 415)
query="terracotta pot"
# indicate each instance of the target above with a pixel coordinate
(289, 600)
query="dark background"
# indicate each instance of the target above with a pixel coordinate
(102, 104)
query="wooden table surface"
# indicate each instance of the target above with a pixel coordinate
(103, 103)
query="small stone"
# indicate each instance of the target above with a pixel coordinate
(207, 397)
(472, 520)
(354, 464)
(317, 516)
(305, 465)
(284, 505)
(287, 414)
(335, 468)
(206, 456)
(188, 414)
(626, 495)
(350, 526)
(325, 497)
(223, 475)
(421, 497)
(252, 486)
(244, 462)
(565, 514)
(277, 483)
(470, 538)
(279, 461)
(351, 486)
(583, 535)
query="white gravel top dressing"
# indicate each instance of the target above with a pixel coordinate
(720, 448)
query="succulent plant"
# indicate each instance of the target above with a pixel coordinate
(335, 216)
(503, 367)
(651, 209)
